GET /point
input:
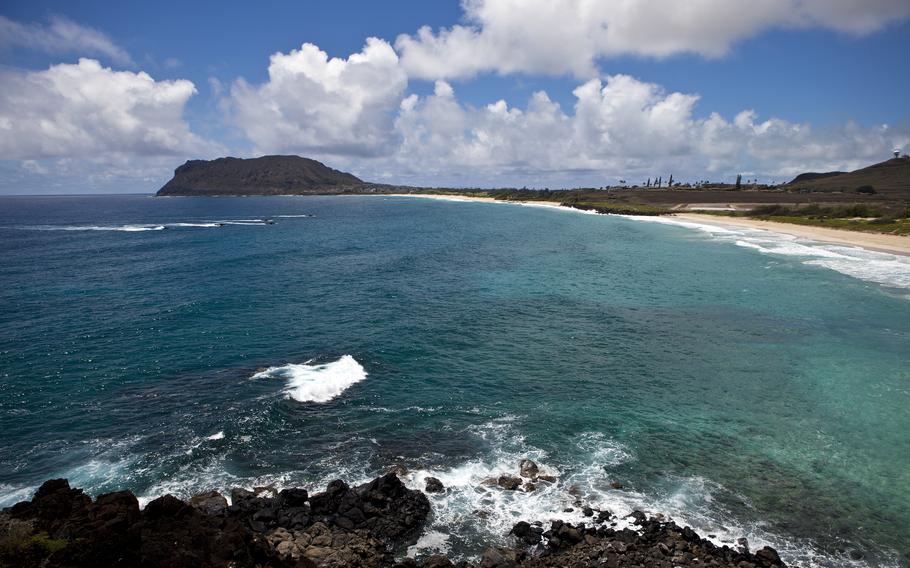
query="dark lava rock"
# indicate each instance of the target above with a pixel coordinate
(293, 497)
(658, 544)
(528, 468)
(384, 507)
(433, 485)
(437, 561)
(210, 502)
(769, 557)
(399, 470)
(500, 558)
(360, 526)
(509, 482)
(527, 533)
(342, 527)
(111, 531)
(521, 529)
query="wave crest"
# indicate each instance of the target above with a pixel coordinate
(881, 268)
(317, 383)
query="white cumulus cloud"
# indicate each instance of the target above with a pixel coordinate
(85, 109)
(317, 105)
(355, 113)
(619, 127)
(569, 36)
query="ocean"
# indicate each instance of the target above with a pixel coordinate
(744, 383)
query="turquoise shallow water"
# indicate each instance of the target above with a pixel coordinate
(743, 392)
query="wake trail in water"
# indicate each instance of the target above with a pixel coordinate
(142, 227)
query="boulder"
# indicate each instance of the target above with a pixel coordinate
(292, 497)
(767, 556)
(499, 558)
(509, 482)
(209, 502)
(399, 470)
(437, 561)
(433, 485)
(359, 527)
(327, 502)
(528, 468)
(527, 533)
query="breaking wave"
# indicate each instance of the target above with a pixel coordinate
(879, 267)
(317, 383)
(472, 513)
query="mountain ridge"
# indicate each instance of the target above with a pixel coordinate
(884, 177)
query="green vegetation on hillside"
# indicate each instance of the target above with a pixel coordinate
(586, 199)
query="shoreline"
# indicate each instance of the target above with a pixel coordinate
(378, 524)
(878, 242)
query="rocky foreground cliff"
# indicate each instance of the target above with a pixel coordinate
(267, 175)
(368, 526)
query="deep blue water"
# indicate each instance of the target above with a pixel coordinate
(744, 392)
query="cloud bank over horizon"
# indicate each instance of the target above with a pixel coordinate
(359, 111)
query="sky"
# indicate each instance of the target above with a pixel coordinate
(110, 97)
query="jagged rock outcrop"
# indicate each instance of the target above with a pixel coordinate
(67, 528)
(367, 526)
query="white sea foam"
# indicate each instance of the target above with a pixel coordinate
(430, 542)
(317, 383)
(879, 267)
(216, 436)
(472, 515)
(11, 494)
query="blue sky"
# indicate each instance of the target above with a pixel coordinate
(817, 87)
